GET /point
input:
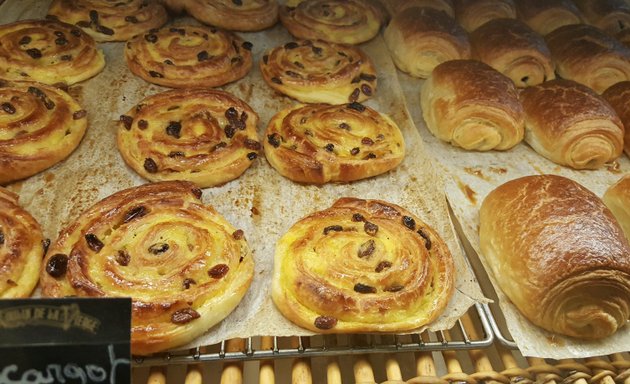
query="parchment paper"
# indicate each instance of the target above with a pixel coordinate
(469, 177)
(261, 202)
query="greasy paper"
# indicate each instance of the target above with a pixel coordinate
(261, 202)
(469, 177)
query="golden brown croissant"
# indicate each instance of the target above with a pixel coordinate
(472, 14)
(558, 254)
(617, 199)
(320, 72)
(320, 143)
(470, 105)
(362, 266)
(184, 266)
(587, 55)
(421, 38)
(201, 135)
(515, 50)
(40, 126)
(47, 51)
(105, 21)
(611, 16)
(544, 16)
(232, 15)
(571, 125)
(22, 248)
(188, 56)
(618, 96)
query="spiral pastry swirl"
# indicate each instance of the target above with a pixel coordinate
(233, 15)
(21, 248)
(319, 72)
(201, 135)
(105, 21)
(39, 126)
(335, 21)
(189, 56)
(618, 96)
(184, 266)
(362, 266)
(47, 51)
(321, 143)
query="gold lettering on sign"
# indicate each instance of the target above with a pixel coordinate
(64, 317)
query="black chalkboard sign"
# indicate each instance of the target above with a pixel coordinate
(70, 340)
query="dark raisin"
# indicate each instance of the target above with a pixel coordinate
(317, 50)
(325, 322)
(93, 16)
(155, 74)
(366, 89)
(25, 40)
(409, 222)
(355, 151)
(135, 213)
(394, 288)
(57, 265)
(158, 248)
(367, 77)
(237, 2)
(184, 316)
(266, 59)
(252, 156)
(218, 271)
(357, 217)
(333, 228)
(276, 80)
(366, 249)
(66, 57)
(362, 288)
(344, 126)
(174, 129)
(427, 240)
(354, 96)
(150, 165)
(61, 41)
(143, 124)
(370, 228)
(293, 74)
(238, 234)
(188, 282)
(230, 131)
(298, 64)
(123, 258)
(1, 237)
(236, 47)
(367, 141)
(291, 45)
(8, 108)
(34, 53)
(93, 242)
(356, 106)
(83, 24)
(76, 32)
(197, 192)
(104, 30)
(131, 19)
(219, 145)
(329, 147)
(236, 60)
(231, 114)
(251, 144)
(168, 62)
(383, 265)
(151, 37)
(180, 31)
(127, 121)
(355, 80)
(79, 114)
(45, 245)
(274, 140)
(173, 154)
(247, 45)
(202, 56)
(369, 156)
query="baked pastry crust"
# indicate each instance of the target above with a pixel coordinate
(545, 16)
(243, 15)
(362, 266)
(201, 135)
(105, 21)
(571, 125)
(21, 248)
(40, 125)
(320, 72)
(335, 21)
(421, 38)
(515, 50)
(559, 255)
(617, 199)
(402, 5)
(47, 51)
(618, 96)
(472, 14)
(321, 143)
(184, 266)
(470, 105)
(188, 56)
(587, 55)
(611, 16)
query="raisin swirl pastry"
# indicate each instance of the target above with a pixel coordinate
(201, 135)
(336, 21)
(319, 72)
(189, 56)
(105, 21)
(362, 266)
(48, 51)
(321, 143)
(39, 126)
(184, 266)
(21, 248)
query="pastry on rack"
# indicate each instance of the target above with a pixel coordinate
(470, 105)
(48, 51)
(402, 5)
(472, 14)
(184, 266)
(105, 21)
(22, 247)
(233, 15)
(617, 199)
(40, 125)
(587, 55)
(421, 38)
(611, 16)
(618, 96)
(187, 56)
(320, 143)
(319, 72)
(514, 49)
(558, 254)
(571, 125)
(362, 266)
(544, 16)
(201, 135)
(335, 21)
